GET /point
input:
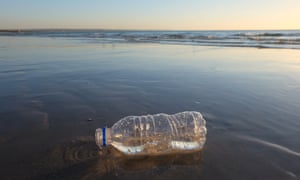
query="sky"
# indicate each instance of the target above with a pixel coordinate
(150, 14)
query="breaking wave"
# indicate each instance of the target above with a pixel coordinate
(259, 39)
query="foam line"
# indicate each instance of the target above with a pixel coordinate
(273, 145)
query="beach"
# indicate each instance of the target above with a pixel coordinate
(55, 90)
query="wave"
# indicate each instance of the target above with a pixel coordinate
(259, 39)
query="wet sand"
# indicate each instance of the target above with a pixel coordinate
(55, 92)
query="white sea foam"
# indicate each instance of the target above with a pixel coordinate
(272, 145)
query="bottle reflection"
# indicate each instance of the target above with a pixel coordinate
(97, 163)
(111, 160)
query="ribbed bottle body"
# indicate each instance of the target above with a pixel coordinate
(159, 133)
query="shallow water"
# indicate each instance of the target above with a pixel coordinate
(55, 92)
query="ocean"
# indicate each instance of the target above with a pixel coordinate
(58, 86)
(288, 39)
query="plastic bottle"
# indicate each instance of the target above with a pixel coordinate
(155, 134)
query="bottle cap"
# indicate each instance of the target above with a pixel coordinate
(102, 136)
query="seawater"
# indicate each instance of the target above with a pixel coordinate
(287, 39)
(55, 91)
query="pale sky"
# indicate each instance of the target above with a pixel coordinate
(151, 14)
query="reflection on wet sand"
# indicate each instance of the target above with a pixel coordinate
(69, 156)
(111, 160)
(17, 124)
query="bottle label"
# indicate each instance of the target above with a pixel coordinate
(104, 136)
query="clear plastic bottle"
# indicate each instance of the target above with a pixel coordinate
(155, 134)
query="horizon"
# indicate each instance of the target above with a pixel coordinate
(106, 29)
